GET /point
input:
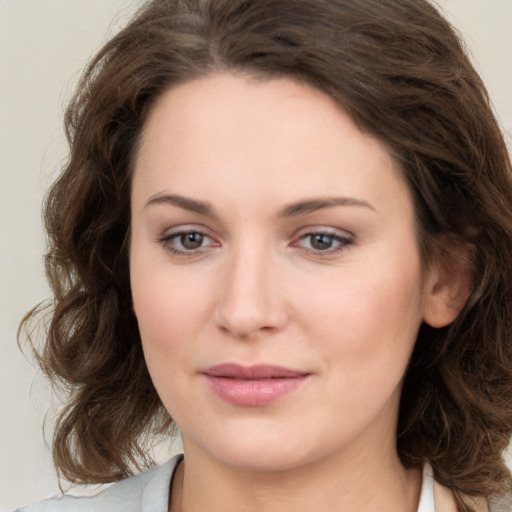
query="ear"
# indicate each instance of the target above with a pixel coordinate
(449, 283)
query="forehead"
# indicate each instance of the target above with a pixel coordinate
(256, 137)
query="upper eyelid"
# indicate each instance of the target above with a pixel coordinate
(171, 233)
(323, 230)
(343, 236)
(344, 243)
(340, 238)
(170, 236)
(168, 242)
(304, 231)
(185, 228)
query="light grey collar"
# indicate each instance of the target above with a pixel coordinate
(427, 502)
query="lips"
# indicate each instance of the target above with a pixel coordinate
(253, 386)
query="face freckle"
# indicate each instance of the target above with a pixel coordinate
(269, 232)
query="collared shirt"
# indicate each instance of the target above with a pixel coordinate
(149, 492)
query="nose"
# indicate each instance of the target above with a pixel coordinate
(250, 300)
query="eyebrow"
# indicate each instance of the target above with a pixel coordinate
(186, 203)
(290, 210)
(313, 205)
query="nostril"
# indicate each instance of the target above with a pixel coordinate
(245, 327)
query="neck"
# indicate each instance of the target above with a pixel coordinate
(335, 483)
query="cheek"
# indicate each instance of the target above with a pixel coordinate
(168, 311)
(366, 322)
(165, 318)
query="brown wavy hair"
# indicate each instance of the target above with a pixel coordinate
(400, 70)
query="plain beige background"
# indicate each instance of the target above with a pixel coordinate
(43, 46)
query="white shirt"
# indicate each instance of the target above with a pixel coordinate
(149, 492)
(427, 503)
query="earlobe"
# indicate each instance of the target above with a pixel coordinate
(449, 285)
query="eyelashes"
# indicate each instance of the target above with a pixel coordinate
(323, 242)
(190, 242)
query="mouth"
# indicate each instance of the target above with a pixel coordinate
(253, 386)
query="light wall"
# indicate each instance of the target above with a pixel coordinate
(43, 46)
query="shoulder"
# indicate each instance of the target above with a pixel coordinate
(501, 505)
(148, 491)
(445, 502)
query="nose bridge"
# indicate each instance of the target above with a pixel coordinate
(249, 300)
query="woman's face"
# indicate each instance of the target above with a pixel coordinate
(275, 273)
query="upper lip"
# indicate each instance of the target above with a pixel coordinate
(255, 372)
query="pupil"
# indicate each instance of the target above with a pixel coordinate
(192, 240)
(321, 241)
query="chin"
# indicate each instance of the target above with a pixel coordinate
(271, 458)
(261, 448)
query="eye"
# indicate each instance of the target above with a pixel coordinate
(190, 241)
(321, 242)
(187, 242)
(324, 242)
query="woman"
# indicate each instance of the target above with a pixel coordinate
(285, 227)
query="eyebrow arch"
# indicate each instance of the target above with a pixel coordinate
(290, 210)
(192, 205)
(312, 205)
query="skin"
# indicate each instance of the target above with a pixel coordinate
(259, 290)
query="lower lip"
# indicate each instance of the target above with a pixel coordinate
(253, 392)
